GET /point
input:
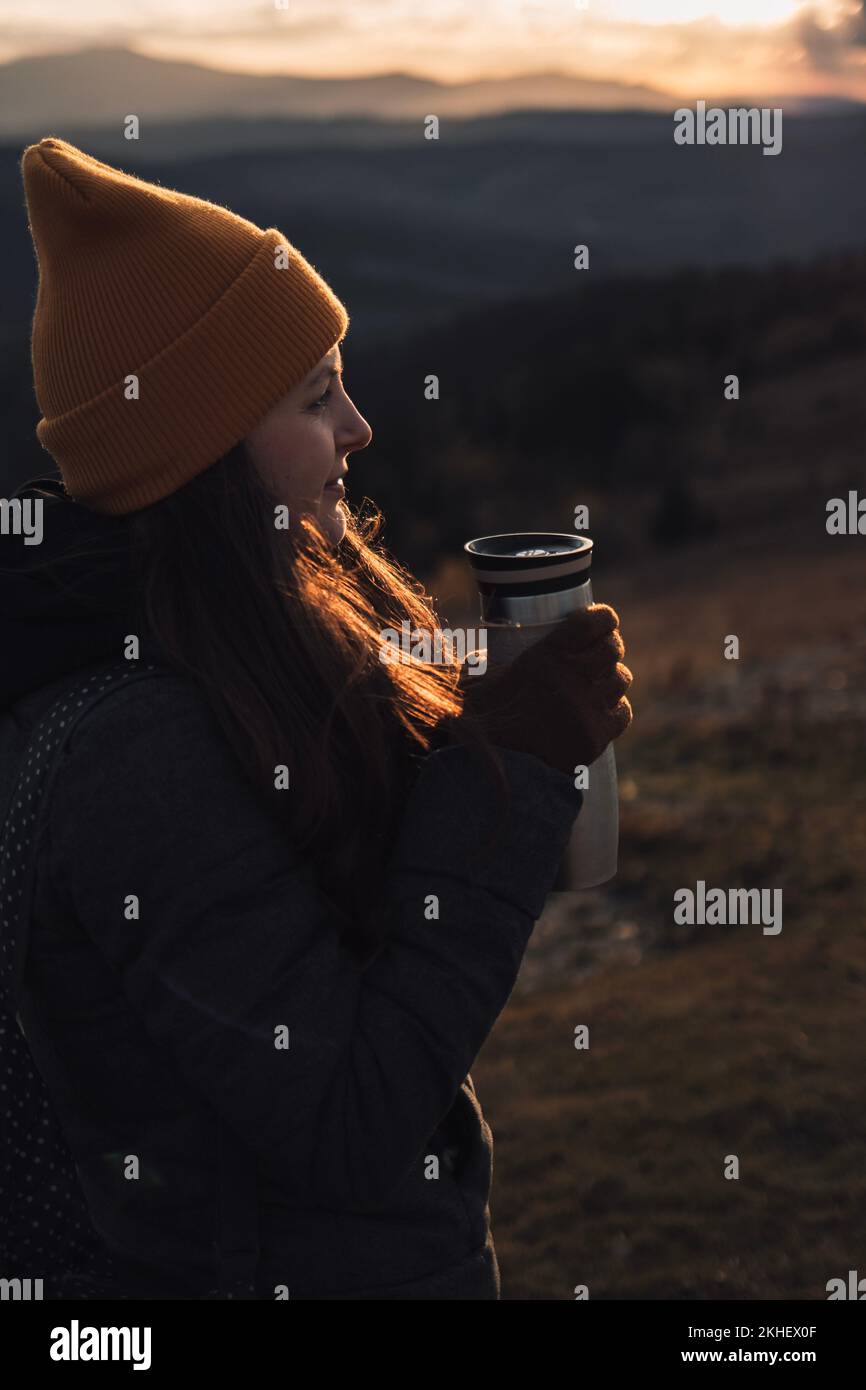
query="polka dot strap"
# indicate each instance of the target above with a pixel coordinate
(28, 807)
(45, 1229)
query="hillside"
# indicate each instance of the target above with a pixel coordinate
(609, 1162)
(710, 1040)
(612, 394)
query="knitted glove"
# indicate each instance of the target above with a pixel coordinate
(562, 699)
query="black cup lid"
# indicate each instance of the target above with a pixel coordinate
(520, 556)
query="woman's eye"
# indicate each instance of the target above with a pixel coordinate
(322, 401)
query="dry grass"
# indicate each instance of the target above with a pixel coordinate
(610, 1162)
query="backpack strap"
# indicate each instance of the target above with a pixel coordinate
(28, 809)
(236, 1248)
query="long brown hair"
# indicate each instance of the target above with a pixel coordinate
(282, 633)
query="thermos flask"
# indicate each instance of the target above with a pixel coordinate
(529, 581)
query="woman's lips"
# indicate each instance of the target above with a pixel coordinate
(337, 486)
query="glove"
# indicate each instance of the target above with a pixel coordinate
(561, 700)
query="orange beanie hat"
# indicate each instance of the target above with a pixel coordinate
(214, 319)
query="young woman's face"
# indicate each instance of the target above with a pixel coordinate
(300, 447)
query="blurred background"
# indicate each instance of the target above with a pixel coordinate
(603, 387)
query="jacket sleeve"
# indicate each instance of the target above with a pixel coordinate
(232, 942)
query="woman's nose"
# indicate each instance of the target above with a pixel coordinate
(358, 431)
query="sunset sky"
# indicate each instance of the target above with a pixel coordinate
(688, 47)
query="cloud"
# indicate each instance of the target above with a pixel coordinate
(32, 32)
(828, 48)
(454, 40)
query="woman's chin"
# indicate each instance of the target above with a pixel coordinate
(332, 521)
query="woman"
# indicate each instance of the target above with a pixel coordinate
(284, 889)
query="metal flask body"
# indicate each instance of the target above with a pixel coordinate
(528, 583)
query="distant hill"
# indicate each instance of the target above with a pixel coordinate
(100, 86)
(613, 388)
(409, 230)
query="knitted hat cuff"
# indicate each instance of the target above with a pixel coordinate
(117, 455)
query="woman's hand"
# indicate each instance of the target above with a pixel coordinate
(562, 699)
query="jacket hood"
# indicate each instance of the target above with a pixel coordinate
(66, 601)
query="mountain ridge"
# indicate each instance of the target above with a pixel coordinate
(108, 82)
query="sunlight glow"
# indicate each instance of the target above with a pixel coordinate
(733, 13)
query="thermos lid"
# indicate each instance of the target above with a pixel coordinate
(523, 557)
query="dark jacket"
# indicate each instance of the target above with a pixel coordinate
(147, 1028)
